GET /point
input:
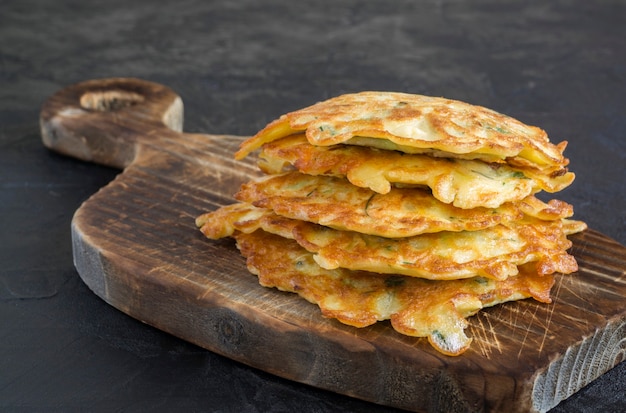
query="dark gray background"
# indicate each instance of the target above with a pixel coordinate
(238, 64)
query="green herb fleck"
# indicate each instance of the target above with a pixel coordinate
(439, 336)
(327, 129)
(367, 204)
(498, 129)
(501, 130)
(519, 175)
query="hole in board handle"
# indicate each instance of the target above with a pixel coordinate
(109, 100)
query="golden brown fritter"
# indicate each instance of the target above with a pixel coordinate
(463, 183)
(416, 307)
(495, 252)
(418, 124)
(401, 212)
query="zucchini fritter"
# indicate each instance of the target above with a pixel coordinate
(415, 209)
(416, 307)
(462, 183)
(418, 124)
(402, 212)
(495, 252)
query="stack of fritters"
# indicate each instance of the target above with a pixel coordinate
(415, 209)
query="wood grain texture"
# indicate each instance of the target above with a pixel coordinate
(136, 246)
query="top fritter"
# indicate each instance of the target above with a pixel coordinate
(419, 124)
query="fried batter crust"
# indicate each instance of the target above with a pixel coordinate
(463, 183)
(494, 252)
(401, 212)
(417, 124)
(416, 307)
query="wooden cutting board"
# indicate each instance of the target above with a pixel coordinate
(136, 246)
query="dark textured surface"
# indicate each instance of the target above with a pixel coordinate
(237, 65)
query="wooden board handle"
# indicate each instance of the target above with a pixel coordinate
(107, 121)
